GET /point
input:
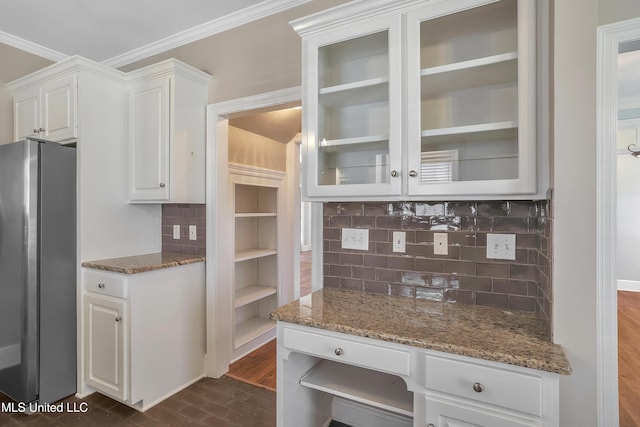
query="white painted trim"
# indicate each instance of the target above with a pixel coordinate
(215, 26)
(609, 38)
(628, 285)
(219, 337)
(9, 356)
(294, 205)
(233, 107)
(629, 102)
(317, 273)
(31, 47)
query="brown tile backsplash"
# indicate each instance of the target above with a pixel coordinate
(465, 274)
(184, 215)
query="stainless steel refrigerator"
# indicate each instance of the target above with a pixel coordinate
(37, 271)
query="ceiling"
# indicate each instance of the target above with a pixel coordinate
(118, 32)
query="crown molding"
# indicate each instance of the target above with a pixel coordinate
(31, 47)
(219, 25)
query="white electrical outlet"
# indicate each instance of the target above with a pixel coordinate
(440, 244)
(355, 238)
(192, 232)
(399, 241)
(176, 232)
(501, 246)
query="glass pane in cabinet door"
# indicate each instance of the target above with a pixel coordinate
(353, 111)
(469, 95)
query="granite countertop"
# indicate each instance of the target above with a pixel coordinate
(513, 337)
(142, 263)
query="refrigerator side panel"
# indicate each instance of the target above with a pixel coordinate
(18, 348)
(57, 272)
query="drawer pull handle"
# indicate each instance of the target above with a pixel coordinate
(118, 318)
(338, 351)
(477, 387)
(101, 285)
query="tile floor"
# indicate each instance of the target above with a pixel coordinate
(209, 402)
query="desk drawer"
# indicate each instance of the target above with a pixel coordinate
(347, 351)
(505, 388)
(105, 284)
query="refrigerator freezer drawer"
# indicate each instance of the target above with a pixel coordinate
(105, 284)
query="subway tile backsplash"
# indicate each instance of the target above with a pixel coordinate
(184, 215)
(465, 274)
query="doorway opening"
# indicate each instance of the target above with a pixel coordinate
(612, 39)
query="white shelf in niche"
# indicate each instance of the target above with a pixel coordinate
(253, 253)
(378, 389)
(253, 293)
(255, 214)
(327, 143)
(251, 329)
(472, 63)
(479, 128)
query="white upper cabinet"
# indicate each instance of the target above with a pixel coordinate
(167, 104)
(47, 110)
(420, 100)
(353, 108)
(471, 98)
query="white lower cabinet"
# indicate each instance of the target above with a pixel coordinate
(104, 344)
(325, 375)
(144, 334)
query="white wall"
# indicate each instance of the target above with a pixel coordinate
(616, 10)
(249, 148)
(574, 260)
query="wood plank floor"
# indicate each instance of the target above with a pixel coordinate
(629, 358)
(257, 368)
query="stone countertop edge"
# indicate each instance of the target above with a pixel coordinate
(487, 333)
(143, 263)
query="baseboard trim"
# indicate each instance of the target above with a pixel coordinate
(628, 285)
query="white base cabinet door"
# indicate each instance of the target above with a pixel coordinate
(105, 344)
(442, 414)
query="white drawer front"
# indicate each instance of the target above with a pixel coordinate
(512, 390)
(105, 284)
(347, 351)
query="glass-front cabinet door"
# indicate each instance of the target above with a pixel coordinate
(471, 90)
(352, 109)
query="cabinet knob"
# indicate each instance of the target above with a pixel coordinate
(101, 285)
(413, 173)
(162, 185)
(477, 387)
(338, 351)
(395, 174)
(35, 131)
(118, 318)
(431, 425)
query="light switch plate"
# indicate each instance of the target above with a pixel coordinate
(440, 244)
(192, 232)
(399, 241)
(176, 232)
(355, 238)
(501, 246)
